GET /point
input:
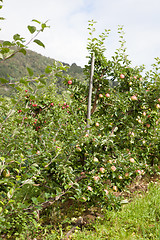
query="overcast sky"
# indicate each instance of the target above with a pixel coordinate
(66, 39)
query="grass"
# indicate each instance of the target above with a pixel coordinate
(140, 219)
(137, 220)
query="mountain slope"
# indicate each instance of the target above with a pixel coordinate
(16, 67)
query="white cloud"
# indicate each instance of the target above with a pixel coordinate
(66, 40)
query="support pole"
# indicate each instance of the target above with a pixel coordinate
(90, 93)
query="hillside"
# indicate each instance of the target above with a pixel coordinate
(16, 67)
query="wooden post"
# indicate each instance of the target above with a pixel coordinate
(90, 93)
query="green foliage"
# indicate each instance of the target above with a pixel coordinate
(16, 68)
(32, 29)
(19, 43)
(39, 43)
(47, 154)
(137, 220)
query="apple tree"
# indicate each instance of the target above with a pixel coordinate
(47, 154)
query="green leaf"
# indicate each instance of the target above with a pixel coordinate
(40, 86)
(48, 69)
(34, 200)
(18, 88)
(30, 71)
(7, 43)
(16, 37)
(39, 43)
(34, 20)
(5, 50)
(42, 80)
(23, 80)
(43, 26)
(12, 84)
(3, 80)
(23, 51)
(32, 29)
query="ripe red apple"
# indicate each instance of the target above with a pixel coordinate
(52, 104)
(134, 98)
(96, 178)
(78, 149)
(106, 191)
(19, 111)
(89, 188)
(70, 82)
(84, 199)
(97, 124)
(26, 90)
(102, 170)
(138, 171)
(135, 77)
(107, 95)
(158, 99)
(115, 188)
(122, 76)
(126, 175)
(100, 95)
(132, 160)
(120, 177)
